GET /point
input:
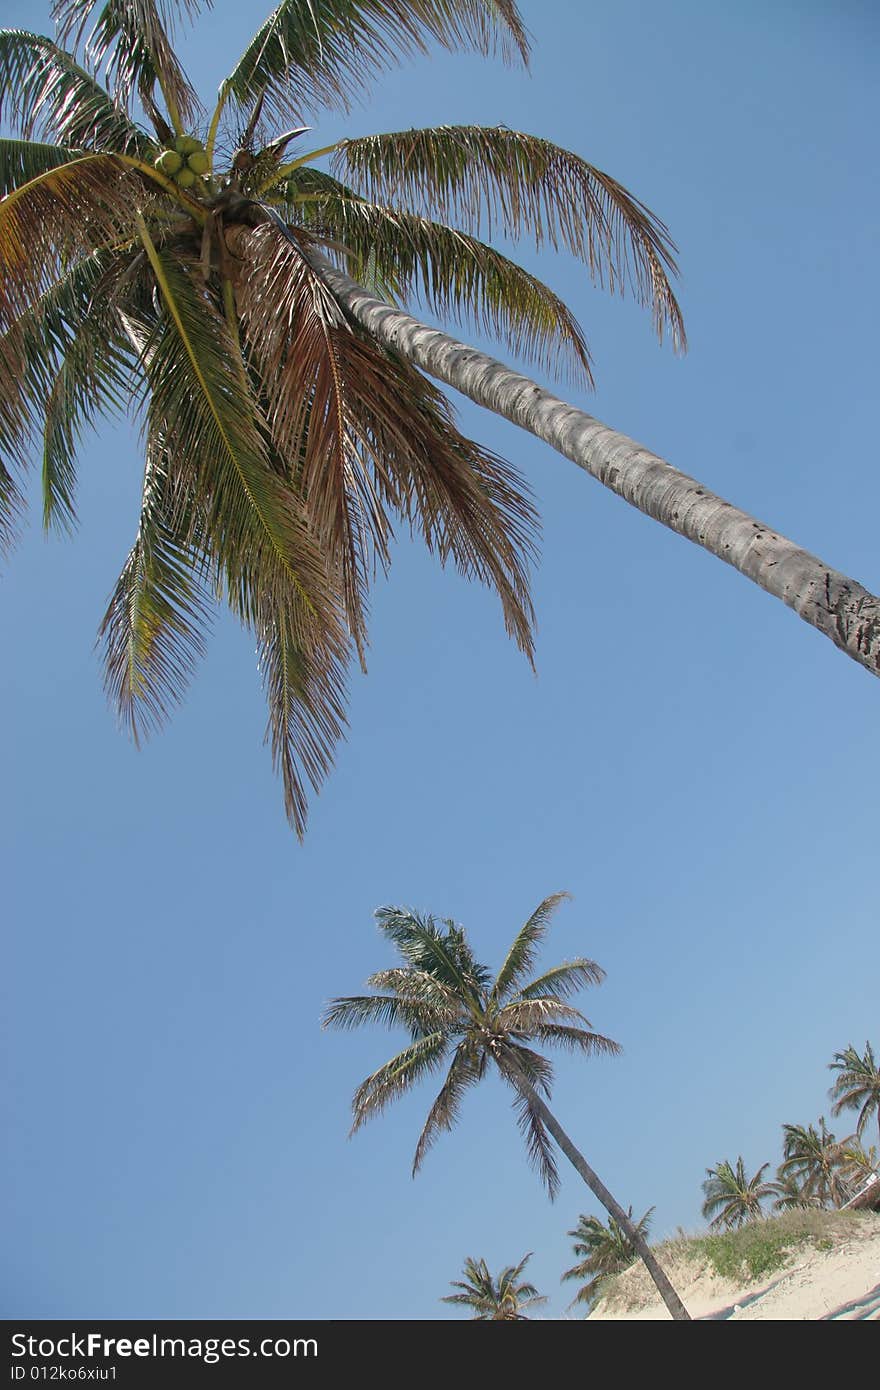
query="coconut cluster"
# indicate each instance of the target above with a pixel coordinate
(184, 162)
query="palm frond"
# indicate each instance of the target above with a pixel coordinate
(443, 955)
(61, 363)
(132, 41)
(95, 378)
(45, 92)
(153, 629)
(12, 505)
(397, 1076)
(250, 525)
(388, 1010)
(371, 437)
(564, 980)
(445, 1110)
(54, 219)
(539, 1146)
(420, 985)
(577, 1040)
(500, 181)
(456, 276)
(524, 1016)
(23, 160)
(311, 54)
(521, 956)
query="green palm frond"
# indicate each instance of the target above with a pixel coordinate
(388, 1010)
(153, 629)
(564, 980)
(456, 276)
(250, 525)
(132, 41)
(538, 1145)
(604, 1250)
(732, 1198)
(492, 1299)
(501, 181)
(396, 1077)
(576, 1040)
(311, 54)
(23, 160)
(92, 380)
(857, 1084)
(61, 363)
(442, 954)
(45, 92)
(419, 985)
(521, 956)
(462, 1074)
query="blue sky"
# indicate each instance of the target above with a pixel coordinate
(692, 762)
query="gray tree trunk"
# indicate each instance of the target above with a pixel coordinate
(661, 1280)
(838, 606)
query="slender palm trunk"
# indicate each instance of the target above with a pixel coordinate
(838, 606)
(676, 1308)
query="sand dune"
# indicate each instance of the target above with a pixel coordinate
(840, 1284)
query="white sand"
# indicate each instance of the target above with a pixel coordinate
(813, 1285)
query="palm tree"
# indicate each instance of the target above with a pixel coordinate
(602, 1251)
(495, 1300)
(790, 1194)
(814, 1159)
(859, 1165)
(857, 1085)
(236, 296)
(451, 1006)
(146, 268)
(732, 1198)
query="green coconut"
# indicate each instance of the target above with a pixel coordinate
(168, 162)
(185, 178)
(187, 144)
(198, 162)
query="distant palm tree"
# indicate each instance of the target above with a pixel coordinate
(813, 1157)
(494, 1300)
(791, 1195)
(449, 1003)
(731, 1197)
(859, 1164)
(857, 1085)
(603, 1251)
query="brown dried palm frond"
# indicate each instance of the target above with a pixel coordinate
(494, 180)
(56, 218)
(369, 438)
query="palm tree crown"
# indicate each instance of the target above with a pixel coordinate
(602, 1250)
(460, 1018)
(857, 1085)
(168, 258)
(731, 1197)
(815, 1160)
(495, 1300)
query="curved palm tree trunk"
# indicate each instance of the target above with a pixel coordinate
(676, 1308)
(838, 606)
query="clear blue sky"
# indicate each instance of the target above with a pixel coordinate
(692, 762)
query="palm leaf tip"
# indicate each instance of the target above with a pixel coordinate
(306, 56)
(498, 180)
